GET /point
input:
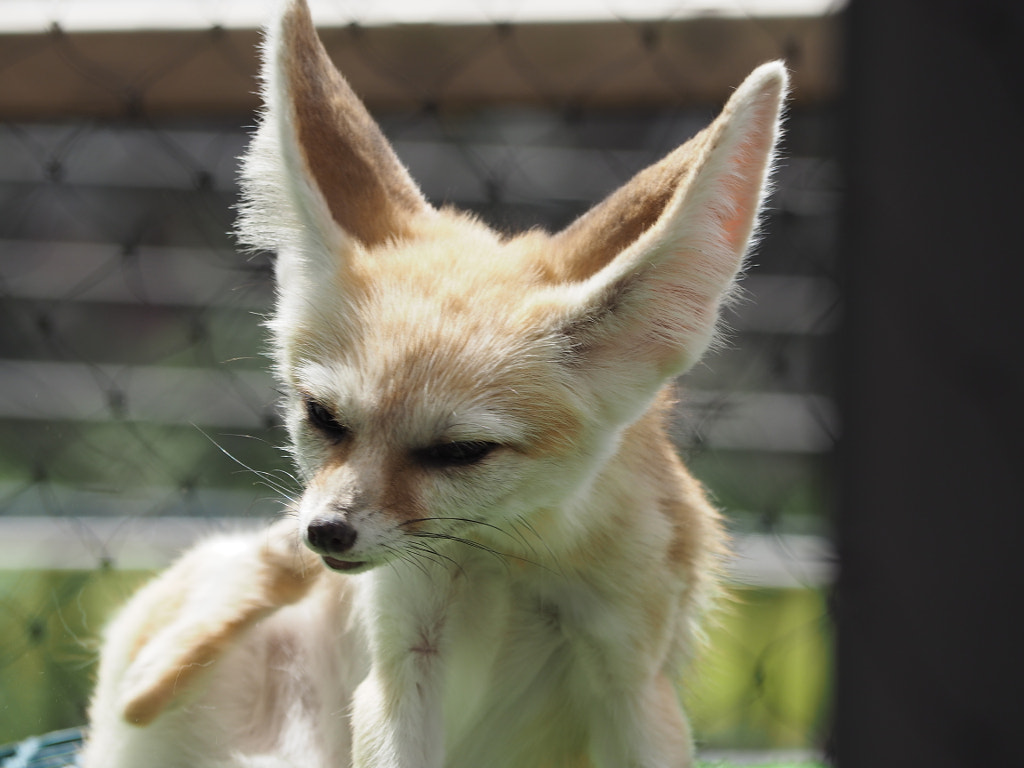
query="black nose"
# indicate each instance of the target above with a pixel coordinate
(332, 536)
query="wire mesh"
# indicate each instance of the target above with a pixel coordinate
(134, 395)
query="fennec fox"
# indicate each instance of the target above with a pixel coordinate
(497, 560)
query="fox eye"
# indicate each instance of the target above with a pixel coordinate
(322, 419)
(460, 453)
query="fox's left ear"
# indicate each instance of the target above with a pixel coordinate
(653, 263)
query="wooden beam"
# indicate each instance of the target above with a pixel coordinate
(586, 65)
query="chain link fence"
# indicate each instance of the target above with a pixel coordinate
(136, 411)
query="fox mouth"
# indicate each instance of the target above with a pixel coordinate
(345, 566)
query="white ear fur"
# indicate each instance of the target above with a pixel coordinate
(319, 176)
(654, 308)
(282, 209)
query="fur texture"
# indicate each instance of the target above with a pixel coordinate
(498, 560)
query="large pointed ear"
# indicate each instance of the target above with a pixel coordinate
(654, 262)
(318, 173)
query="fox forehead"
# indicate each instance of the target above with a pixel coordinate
(459, 263)
(409, 301)
(454, 270)
(438, 341)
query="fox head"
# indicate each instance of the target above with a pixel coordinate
(443, 380)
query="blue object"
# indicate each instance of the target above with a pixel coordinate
(58, 749)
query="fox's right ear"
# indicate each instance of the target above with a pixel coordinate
(319, 177)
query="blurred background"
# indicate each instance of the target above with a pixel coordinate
(135, 402)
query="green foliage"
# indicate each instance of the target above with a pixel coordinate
(763, 680)
(50, 622)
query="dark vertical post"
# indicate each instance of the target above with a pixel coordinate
(931, 645)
